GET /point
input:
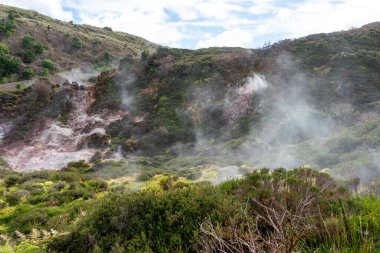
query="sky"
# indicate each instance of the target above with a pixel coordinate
(205, 23)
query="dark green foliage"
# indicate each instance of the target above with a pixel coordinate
(40, 196)
(28, 56)
(8, 26)
(146, 221)
(13, 180)
(31, 48)
(28, 74)
(8, 63)
(168, 220)
(76, 43)
(14, 198)
(79, 166)
(107, 93)
(352, 54)
(47, 64)
(107, 58)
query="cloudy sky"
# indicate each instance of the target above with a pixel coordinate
(205, 23)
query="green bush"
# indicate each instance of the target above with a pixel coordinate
(8, 63)
(13, 180)
(47, 64)
(28, 74)
(107, 58)
(15, 197)
(145, 221)
(31, 47)
(6, 248)
(28, 56)
(8, 26)
(326, 159)
(79, 166)
(76, 43)
(4, 48)
(26, 218)
(25, 247)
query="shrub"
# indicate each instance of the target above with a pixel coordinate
(31, 47)
(343, 144)
(76, 43)
(28, 56)
(145, 221)
(25, 247)
(145, 176)
(45, 73)
(13, 180)
(4, 49)
(8, 25)
(8, 63)
(47, 64)
(79, 166)
(107, 58)
(28, 74)
(326, 159)
(26, 219)
(13, 198)
(6, 248)
(97, 184)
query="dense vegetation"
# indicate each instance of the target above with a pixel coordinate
(184, 128)
(32, 38)
(70, 211)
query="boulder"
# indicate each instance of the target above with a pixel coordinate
(95, 140)
(66, 83)
(75, 86)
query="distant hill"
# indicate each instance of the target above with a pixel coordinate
(65, 44)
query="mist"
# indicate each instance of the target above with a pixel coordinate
(290, 130)
(81, 75)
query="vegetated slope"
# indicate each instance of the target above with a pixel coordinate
(39, 44)
(278, 211)
(312, 100)
(186, 118)
(213, 102)
(349, 60)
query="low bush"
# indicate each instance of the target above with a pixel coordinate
(47, 64)
(76, 43)
(28, 74)
(8, 63)
(8, 26)
(31, 48)
(145, 221)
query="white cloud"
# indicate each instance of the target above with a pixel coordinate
(212, 22)
(231, 38)
(262, 6)
(53, 8)
(320, 16)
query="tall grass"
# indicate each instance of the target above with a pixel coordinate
(355, 229)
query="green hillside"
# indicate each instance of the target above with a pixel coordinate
(110, 143)
(39, 44)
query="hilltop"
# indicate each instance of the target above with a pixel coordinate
(36, 40)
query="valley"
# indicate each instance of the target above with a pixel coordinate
(111, 143)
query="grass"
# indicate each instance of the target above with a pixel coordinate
(55, 35)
